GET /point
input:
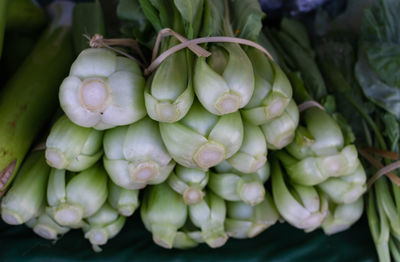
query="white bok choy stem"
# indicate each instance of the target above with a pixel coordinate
(27, 195)
(264, 172)
(135, 155)
(184, 241)
(224, 82)
(45, 226)
(73, 197)
(345, 189)
(323, 130)
(169, 91)
(303, 207)
(245, 221)
(342, 216)
(103, 225)
(73, 147)
(252, 154)
(201, 139)
(126, 201)
(103, 90)
(236, 186)
(314, 170)
(209, 215)
(188, 236)
(189, 182)
(163, 212)
(280, 131)
(272, 92)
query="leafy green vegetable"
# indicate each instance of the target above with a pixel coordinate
(382, 94)
(379, 57)
(246, 16)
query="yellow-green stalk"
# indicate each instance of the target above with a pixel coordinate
(29, 99)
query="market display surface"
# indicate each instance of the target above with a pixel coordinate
(203, 125)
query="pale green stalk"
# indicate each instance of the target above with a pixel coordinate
(342, 216)
(263, 172)
(189, 182)
(236, 186)
(209, 215)
(302, 206)
(201, 139)
(279, 132)
(103, 225)
(169, 91)
(78, 197)
(126, 201)
(45, 226)
(345, 189)
(245, 221)
(272, 92)
(325, 132)
(379, 226)
(73, 147)
(27, 194)
(252, 154)
(135, 155)
(224, 82)
(163, 212)
(314, 170)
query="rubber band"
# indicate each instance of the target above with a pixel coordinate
(199, 51)
(383, 170)
(308, 104)
(98, 41)
(214, 39)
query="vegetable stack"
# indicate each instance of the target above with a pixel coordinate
(196, 135)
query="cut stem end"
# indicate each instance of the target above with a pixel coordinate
(209, 155)
(228, 103)
(94, 94)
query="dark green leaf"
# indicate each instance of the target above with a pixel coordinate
(384, 58)
(246, 16)
(213, 17)
(151, 14)
(134, 22)
(191, 12)
(297, 31)
(87, 20)
(385, 96)
(313, 80)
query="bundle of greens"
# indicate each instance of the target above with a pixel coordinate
(317, 180)
(195, 130)
(362, 73)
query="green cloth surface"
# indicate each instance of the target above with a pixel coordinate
(280, 242)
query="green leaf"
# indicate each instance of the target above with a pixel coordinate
(191, 12)
(87, 19)
(246, 16)
(381, 22)
(297, 31)
(385, 96)
(135, 23)
(151, 14)
(384, 58)
(213, 17)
